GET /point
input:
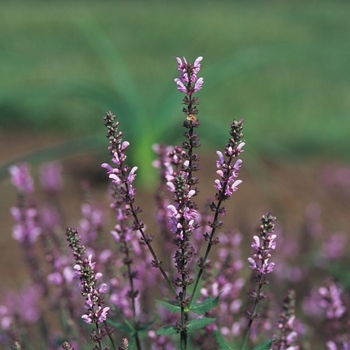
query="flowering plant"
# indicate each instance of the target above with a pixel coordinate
(108, 288)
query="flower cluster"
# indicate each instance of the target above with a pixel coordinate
(21, 179)
(188, 81)
(121, 175)
(228, 169)
(201, 297)
(331, 301)
(25, 214)
(286, 334)
(90, 289)
(263, 244)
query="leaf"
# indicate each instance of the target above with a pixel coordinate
(199, 323)
(264, 346)
(205, 306)
(175, 309)
(127, 328)
(167, 330)
(221, 342)
(132, 344)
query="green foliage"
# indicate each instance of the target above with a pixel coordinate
(172, 307)
(205, 306)
(221, 342)
(340, 271)
(199, 323)
(264, 346)
(167, 330)
(198, 308)
(224, 346)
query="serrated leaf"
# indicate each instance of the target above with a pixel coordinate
(205, 306)
(264, 346)
(167, 330)
(221, 341)
(175, 309)
(132, 344)
(199, 323)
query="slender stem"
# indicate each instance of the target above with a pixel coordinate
(205, 258)
(252, 316)
(146, 240)
(109, 335)
(132, 293)
(98, 340)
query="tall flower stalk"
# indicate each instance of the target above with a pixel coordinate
(93, 291)
(181, 182)
(260, 264)
(226, 184)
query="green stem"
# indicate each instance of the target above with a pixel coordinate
(137, 221)
(205, 258)
(252, 316)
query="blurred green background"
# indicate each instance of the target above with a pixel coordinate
(283, 66)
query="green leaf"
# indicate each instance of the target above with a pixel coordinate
(199, 323)
(167, 330)
(122, 327)
(205, 306)
(264, 346)
(175, 309)
(132, 344)
(340, 272)
(221, 342)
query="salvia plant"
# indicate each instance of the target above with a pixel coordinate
(123, 291)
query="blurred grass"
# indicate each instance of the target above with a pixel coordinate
(283, 66)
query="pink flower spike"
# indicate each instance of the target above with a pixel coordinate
(21, 178)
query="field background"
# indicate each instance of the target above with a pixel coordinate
(283, 66)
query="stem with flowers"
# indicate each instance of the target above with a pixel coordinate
(226, 185)
(182, 184)
(259, 263)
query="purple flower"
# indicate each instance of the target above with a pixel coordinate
(21, 178)
(26, 229)
(90, 288)
(50, 176)
(189, 83)
(227, 182)
(331, 300)
(262, 245)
